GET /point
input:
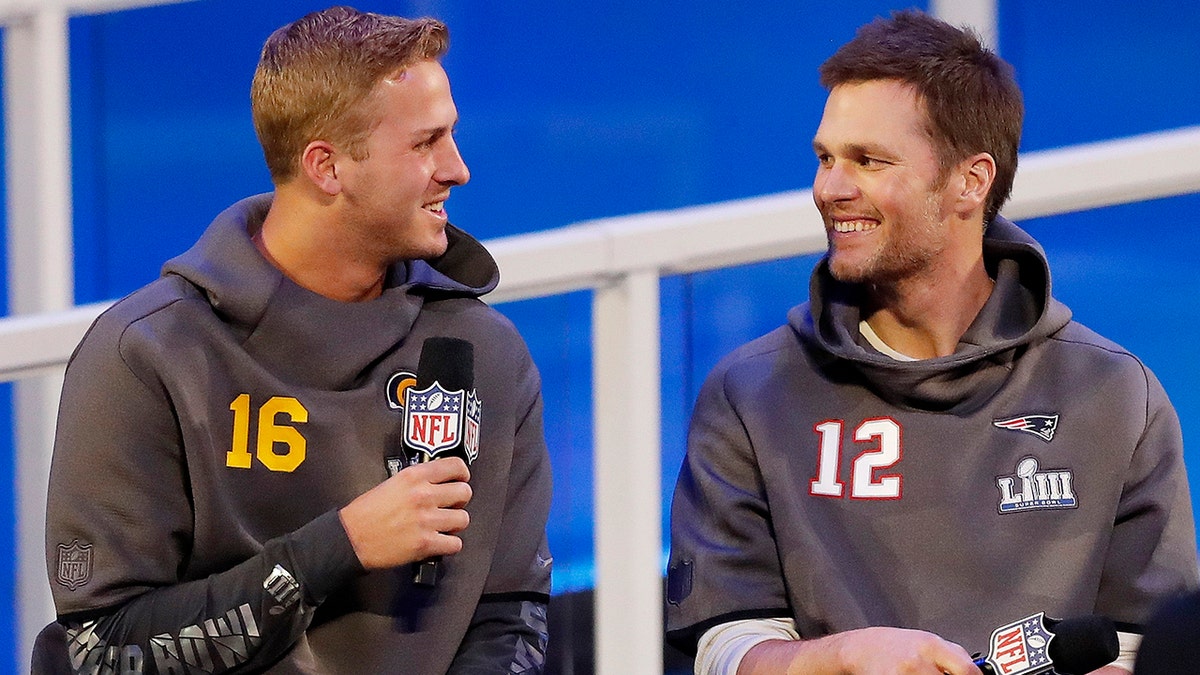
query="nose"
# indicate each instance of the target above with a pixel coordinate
(834, 182)
(452, 170)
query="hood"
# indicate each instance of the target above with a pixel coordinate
(275, 319)
(1020, 310)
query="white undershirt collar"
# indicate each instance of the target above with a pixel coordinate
(867, 332)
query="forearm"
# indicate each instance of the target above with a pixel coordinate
(245, 617)
(865, 650)
(778, 657)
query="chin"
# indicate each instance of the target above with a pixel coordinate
(431, 251)
(847, 271)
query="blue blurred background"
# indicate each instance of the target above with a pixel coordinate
(572, 111)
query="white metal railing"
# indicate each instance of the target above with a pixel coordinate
(622, 259)
(40, 273)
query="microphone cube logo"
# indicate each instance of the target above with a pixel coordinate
(1021, 647)
(471, 426)
(433, 419)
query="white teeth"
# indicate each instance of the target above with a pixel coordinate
(436, 206)
(854, 225)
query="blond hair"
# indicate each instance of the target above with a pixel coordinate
(316, 77)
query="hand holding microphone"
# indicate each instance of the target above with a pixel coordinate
(414, 516)
(1034, 645)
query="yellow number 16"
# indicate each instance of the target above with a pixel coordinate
(269, 433)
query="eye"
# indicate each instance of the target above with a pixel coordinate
(430, 140)
(825, 159)
(869, 162)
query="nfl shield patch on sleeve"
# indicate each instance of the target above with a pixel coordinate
(74, 567)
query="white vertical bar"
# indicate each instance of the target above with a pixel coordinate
(627, 417)
(35, 404)
(981, 15)
(37, 109)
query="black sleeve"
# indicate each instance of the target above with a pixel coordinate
(239, 620)
(507, 635)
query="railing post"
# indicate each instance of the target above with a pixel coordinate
(40, 275)
(980, 15)
(627, 410)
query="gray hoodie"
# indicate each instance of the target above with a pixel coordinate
(214, 421)
(1039, 468)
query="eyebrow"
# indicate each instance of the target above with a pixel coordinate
(436, 132)
(856, 148)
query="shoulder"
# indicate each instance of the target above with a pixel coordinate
(137, 306)
(1113, 372)
(500, 351)
(756, 360)
(133, 323)
(1090, 351)
(1079, 335)
(473, 316)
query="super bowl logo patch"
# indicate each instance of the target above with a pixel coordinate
(1042, 426)
(433, 419)
(1030, 489)
(74, 567)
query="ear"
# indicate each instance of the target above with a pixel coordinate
(977, 172)
(319, 166)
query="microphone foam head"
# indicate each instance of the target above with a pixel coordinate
(448, 361)
(1082, 644)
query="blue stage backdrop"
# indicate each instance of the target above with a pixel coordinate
(572, 111)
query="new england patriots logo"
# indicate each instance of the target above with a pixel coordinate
(1042, 426)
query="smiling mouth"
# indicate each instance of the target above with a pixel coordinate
(855, 225)
(436, 208)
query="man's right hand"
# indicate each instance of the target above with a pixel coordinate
(414, 515)
(866, 651)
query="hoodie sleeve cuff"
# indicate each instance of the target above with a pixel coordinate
(323, 556)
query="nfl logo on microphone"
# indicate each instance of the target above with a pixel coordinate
(433, 419)
(1021, 648)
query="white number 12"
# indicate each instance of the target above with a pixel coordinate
(864, 484)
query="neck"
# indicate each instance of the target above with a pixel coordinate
(305, 250)
(925, 318)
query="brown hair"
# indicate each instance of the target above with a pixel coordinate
(971, 97)
(316, 75)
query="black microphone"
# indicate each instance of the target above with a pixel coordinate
(441, 414)
(1037, 644)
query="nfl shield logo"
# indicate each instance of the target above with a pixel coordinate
(74, 564)
(433, 419)
(1021, 647)
(471, 426)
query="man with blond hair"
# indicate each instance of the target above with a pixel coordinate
(230, 489)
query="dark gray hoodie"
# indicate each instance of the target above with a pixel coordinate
(211, 425)
(1039, 468)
